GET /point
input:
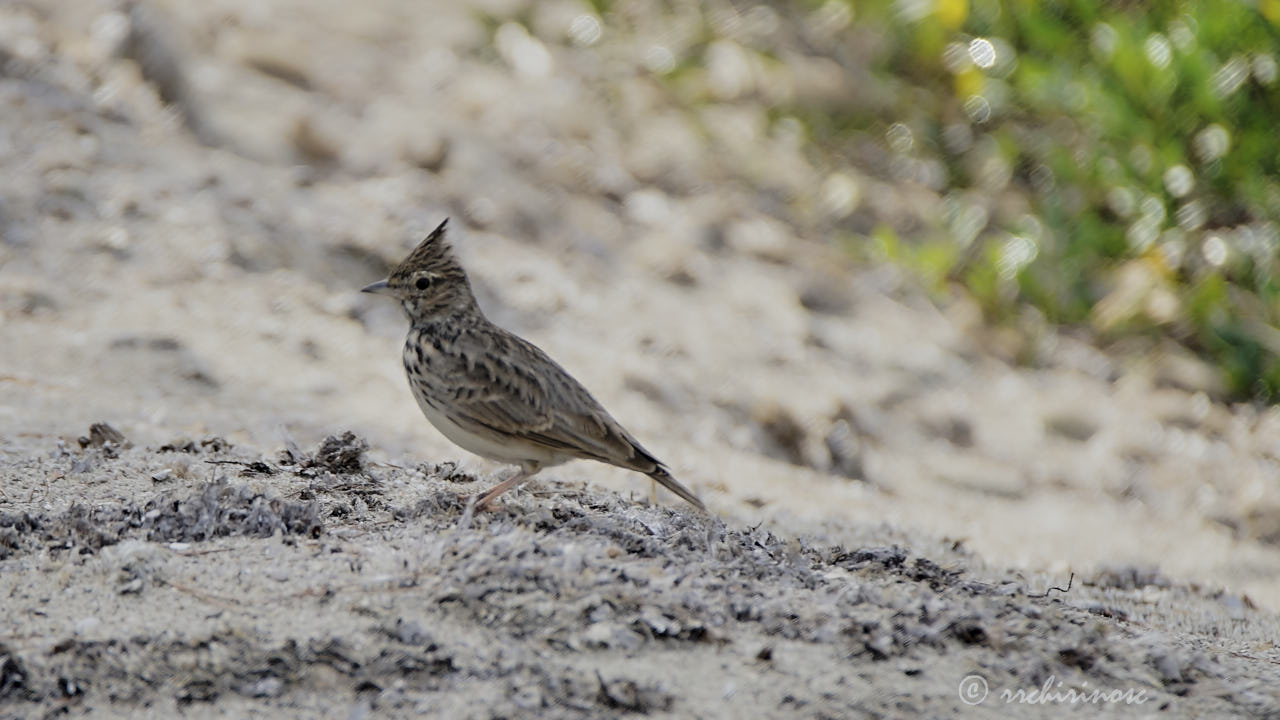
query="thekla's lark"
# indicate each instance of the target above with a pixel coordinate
(494, 393)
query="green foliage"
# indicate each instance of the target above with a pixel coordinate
(1136, 136)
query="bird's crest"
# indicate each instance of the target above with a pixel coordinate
(433, 253)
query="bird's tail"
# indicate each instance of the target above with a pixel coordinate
(662, 475)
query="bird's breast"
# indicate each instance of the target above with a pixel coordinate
(430, 370)
(419, 352)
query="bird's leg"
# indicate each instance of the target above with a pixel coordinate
(527, 470)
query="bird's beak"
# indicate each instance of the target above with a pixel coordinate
(379, 288)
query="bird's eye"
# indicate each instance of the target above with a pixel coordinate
(422, 283)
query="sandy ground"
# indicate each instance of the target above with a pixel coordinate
(191, 195)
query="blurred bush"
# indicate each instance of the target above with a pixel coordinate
(1102, 165)
(1109, 164)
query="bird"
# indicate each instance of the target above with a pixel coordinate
(493, 393)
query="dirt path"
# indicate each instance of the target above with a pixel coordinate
(309, 586)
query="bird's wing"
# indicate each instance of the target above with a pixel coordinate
(509, 386)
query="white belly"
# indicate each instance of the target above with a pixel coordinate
(515, 452)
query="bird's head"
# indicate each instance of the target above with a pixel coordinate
(430, 282)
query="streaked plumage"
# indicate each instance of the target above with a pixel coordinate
(493, 393)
